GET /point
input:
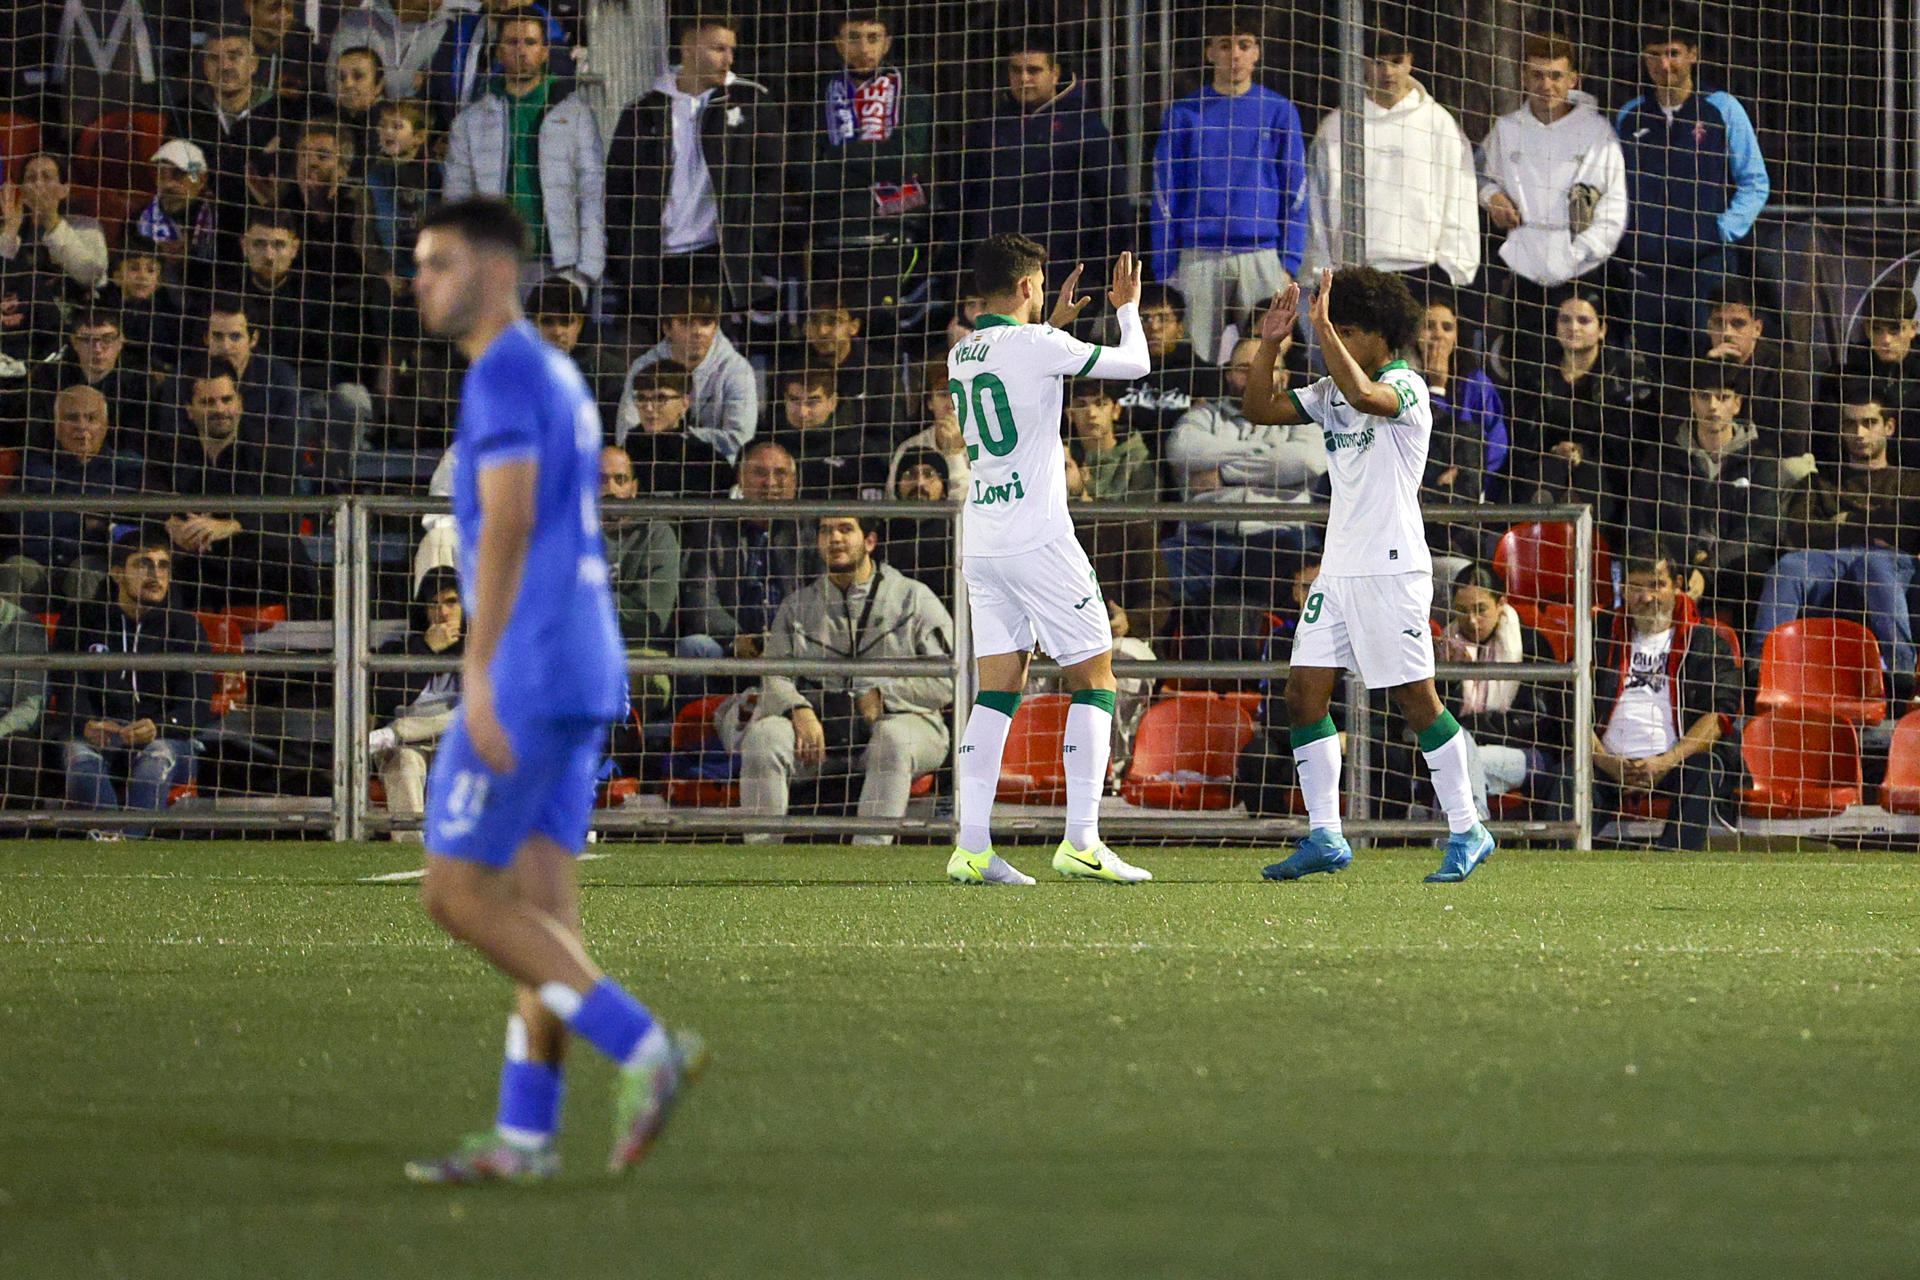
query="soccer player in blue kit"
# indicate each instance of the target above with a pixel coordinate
(544, 673)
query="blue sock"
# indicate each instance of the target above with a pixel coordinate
(610, 1020)
(529, 1102)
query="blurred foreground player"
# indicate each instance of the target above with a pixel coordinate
(543, 675)
(1369, 608)
(1028, 580)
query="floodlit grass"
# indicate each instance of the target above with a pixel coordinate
(215, 1059)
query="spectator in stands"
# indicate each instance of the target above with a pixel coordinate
(1519, 727)
(329, 209)
(863, 376)
(1223, 459)
(1179, 380)
(534, 141)
(557, 308)
(1230, 184)
(838, 459)
(1577, 424)
(668, 460)
(1125, 553)
(922, 546)
(1421, 215)
(403, 178)
(419, 704)
(736, 572)
(282, 48)
(62, 553)
(302, 320)
(1460, 387)
(726, 396)
(695, 173)
(883, 730)
(643, 559)
(149, 314)
(1696, 179)
(359, 89)
(404, 35)
(34, 223)
(1852, 523)
(866, 167)
(182, 225)
(224, 560)
(238, 124)
(1779, 398)
(135, 726)
(92, 357)
(1711, 493)
(468, 52)
(1042, 163)
(269, 393)
(1885, 357)
(1555, 184)
(23, 697)
(1667, 691)
(942, 433)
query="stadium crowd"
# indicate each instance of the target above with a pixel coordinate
(205, 235)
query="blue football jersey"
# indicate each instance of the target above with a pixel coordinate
(560, 656)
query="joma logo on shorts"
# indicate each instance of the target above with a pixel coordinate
(985, 495)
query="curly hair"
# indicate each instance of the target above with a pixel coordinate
(1376, 302)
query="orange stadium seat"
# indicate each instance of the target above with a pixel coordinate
(1900, 792)
(1804, 765)
(1825, 665)
(1184, 752)
(1536, 562)
(1032, 770)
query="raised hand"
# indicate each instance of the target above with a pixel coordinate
(1318, 312)
(1126, 281)
(1068, 308)
(1282, 316)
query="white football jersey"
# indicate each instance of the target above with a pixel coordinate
(1006, 385)
(1376, 465)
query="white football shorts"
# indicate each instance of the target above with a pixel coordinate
(1048, 594)
(1377, 626)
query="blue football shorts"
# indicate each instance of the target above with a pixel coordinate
(478, 815)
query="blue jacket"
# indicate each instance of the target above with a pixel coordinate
(1694, 183)
(1229, 174)
(1045, 173)
(1473, 398)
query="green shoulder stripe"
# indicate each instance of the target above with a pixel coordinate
(1088, 366)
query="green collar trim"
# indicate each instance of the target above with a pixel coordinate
(989, 319)
(1390, 366)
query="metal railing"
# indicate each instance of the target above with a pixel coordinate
(347, 551)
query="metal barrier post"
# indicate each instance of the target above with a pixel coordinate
(1583, 678)
(355, 727)
(1359, 753)
(345, 552)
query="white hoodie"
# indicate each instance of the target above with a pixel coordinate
(1420, 190)
(1537, 166)
(1243, 461)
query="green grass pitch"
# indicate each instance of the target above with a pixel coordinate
(215, 1058)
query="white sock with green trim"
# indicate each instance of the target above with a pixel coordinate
(1445, 747)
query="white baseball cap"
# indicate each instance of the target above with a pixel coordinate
(182, 155)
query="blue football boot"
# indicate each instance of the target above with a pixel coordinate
(1465, 851)
(1322, 850)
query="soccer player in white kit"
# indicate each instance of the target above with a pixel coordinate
(1027, 578)
(1370, 605)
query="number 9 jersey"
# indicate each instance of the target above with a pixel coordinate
(1006, 385)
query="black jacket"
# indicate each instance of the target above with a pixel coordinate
(1726, 511)
(180, 702)
(741, 136)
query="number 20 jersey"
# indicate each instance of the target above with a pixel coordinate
(1006, 385)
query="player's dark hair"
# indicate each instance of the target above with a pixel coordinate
(1889, 306)
(1646, 553)
(555, 296)
(1859, 391)
(1375, 301)
(811, 378)
(1476, 574)
(1677, 24)
(232, 304)
(273, 220)
(1718, 373)
(1031, 40)
(1001, 261)
(1549, 45)
(93, 316)
(485, 222)
(689, 304)
(1156, 295)
(658, 378)
(145, 536)
(1235, 20)
(1383, 40)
